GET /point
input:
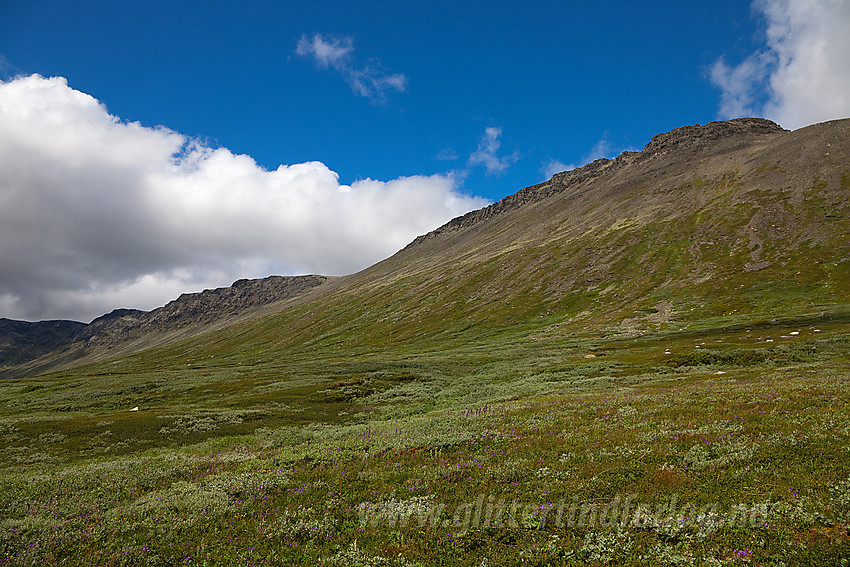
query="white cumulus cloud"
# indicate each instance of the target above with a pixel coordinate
(802, 76)
(98, 213)
(369, 80)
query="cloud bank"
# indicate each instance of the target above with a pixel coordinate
(802, 76)
(370, 80)
(97, 213)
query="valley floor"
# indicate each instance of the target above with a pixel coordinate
(721, 444)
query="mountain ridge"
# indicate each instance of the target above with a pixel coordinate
(703, 210)
(683, 137)
(23, 343)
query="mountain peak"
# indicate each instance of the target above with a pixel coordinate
(702, 134)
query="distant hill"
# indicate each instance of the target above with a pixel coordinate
(22, 341)
(36, 347)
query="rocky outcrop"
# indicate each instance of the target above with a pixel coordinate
(701, 136)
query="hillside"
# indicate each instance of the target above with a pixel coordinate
(706, 222)
(736, 216)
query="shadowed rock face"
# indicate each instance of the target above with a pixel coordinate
(22, 342)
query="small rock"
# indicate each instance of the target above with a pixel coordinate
(135, 408)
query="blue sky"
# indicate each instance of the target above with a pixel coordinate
(556, 77)
(467, 99)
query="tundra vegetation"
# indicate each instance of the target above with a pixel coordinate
(378, 458)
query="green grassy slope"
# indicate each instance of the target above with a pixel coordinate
(699, 233)
(670, 324)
